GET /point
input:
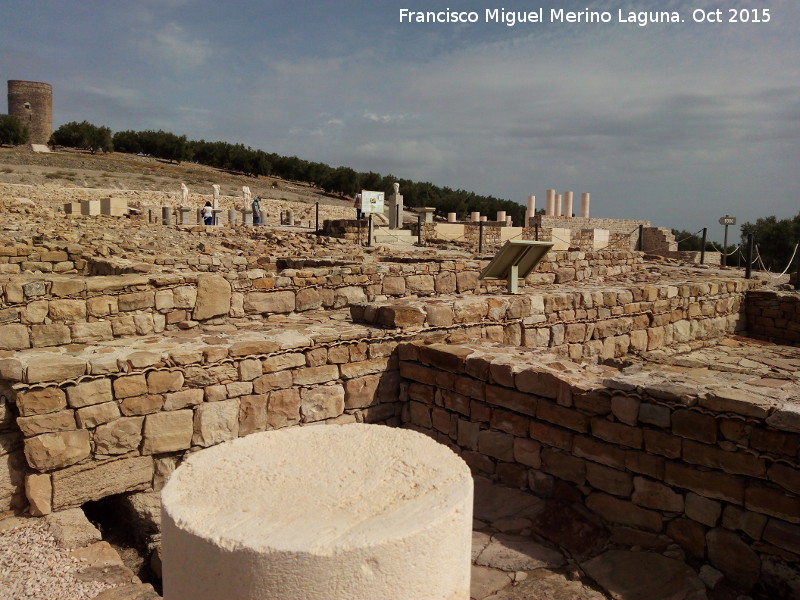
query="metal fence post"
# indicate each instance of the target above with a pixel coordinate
(748, 268)
(703, 247)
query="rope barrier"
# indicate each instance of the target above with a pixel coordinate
(763, 266)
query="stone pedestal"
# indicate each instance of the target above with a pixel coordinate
(185, 214)
(231, 216)
(166, 215)
(90, 207)
(247, 217)
(475, 217)
(281, 515)
(215, 212)
(451, 217)
(114, 207)
(395, 211)
(501, 216)
(72, 208)
(289, 217)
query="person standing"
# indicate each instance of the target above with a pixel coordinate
(357, 205)
(256, 211)
(208, 214)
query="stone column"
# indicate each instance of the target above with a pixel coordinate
(550, 207)
(509, 221)
(557, 212)
(531, 212)
(247, 217)
(231, 216)
(289, 217)
(568, 204)
(585, 206)
(475, 217)
(451, 217)
(166, 215)
(396, 208)
(280, 515)
(501, 216)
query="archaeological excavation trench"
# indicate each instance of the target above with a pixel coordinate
(640, 406)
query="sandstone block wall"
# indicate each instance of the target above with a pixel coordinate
(67, 438)
(774, 316)
(607, 323)
(715, 470)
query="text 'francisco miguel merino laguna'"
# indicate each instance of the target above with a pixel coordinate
(554, 15)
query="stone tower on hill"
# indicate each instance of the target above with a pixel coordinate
(32, 103)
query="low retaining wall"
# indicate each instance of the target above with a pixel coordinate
(607, 322)
(715, 469)
(79, 427)
(774, 316)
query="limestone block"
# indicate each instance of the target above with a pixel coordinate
(91, 332)
(324, 402)
(119, 436)
(168, 431)
(252, 414)
(72, 208)
(183, 399)
(159, 382)
(38, 402)
(88, 481)
(12, 477)
(470, 309)
(361, 391)
(466, 281)
(394, 286)
(185, 296)
(652, 494)
(238, 388)
(55, 368)
(346, 296)
(89, 392)
(728, 553)
(90, 207)
(269, 302)
(115, 207)
(308, 299)
(141, 405)
(35, 312)
(316, 375)
(39, 492)
(420, 284)
(63, 420)
(67, 310)
(57, 450)
(623, 512)
(71, 528)
(283, 408)
(130, 385)
(272, 381)
(53, 334)
(102, 306)
(14, 337)
(97, 414)
(213, 297)
(216, 422)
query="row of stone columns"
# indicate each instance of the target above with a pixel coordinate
(191, 216)
(558, 205)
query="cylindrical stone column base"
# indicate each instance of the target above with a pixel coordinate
(331, 512)
(451, 217)
(166, 215)
(585, 201)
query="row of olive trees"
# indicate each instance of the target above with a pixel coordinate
(12, 131)
(244, 159)
(83, 135)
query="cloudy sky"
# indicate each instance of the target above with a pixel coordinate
(678, 123)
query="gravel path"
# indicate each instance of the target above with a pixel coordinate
(32, 565)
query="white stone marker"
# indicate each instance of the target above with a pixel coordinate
(568, 204)
(585, 198)
(550, 206)
(330, 512)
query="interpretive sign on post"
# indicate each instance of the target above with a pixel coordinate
(514, 261)
(371, 202)
(727, 220)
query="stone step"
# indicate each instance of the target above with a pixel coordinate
(388, 236)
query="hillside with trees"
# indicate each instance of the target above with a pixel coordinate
(238, 158)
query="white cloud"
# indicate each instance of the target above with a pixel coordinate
(172, 46)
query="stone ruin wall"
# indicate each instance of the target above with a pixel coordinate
(774, 317)
(711, 470)
(84, 411)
